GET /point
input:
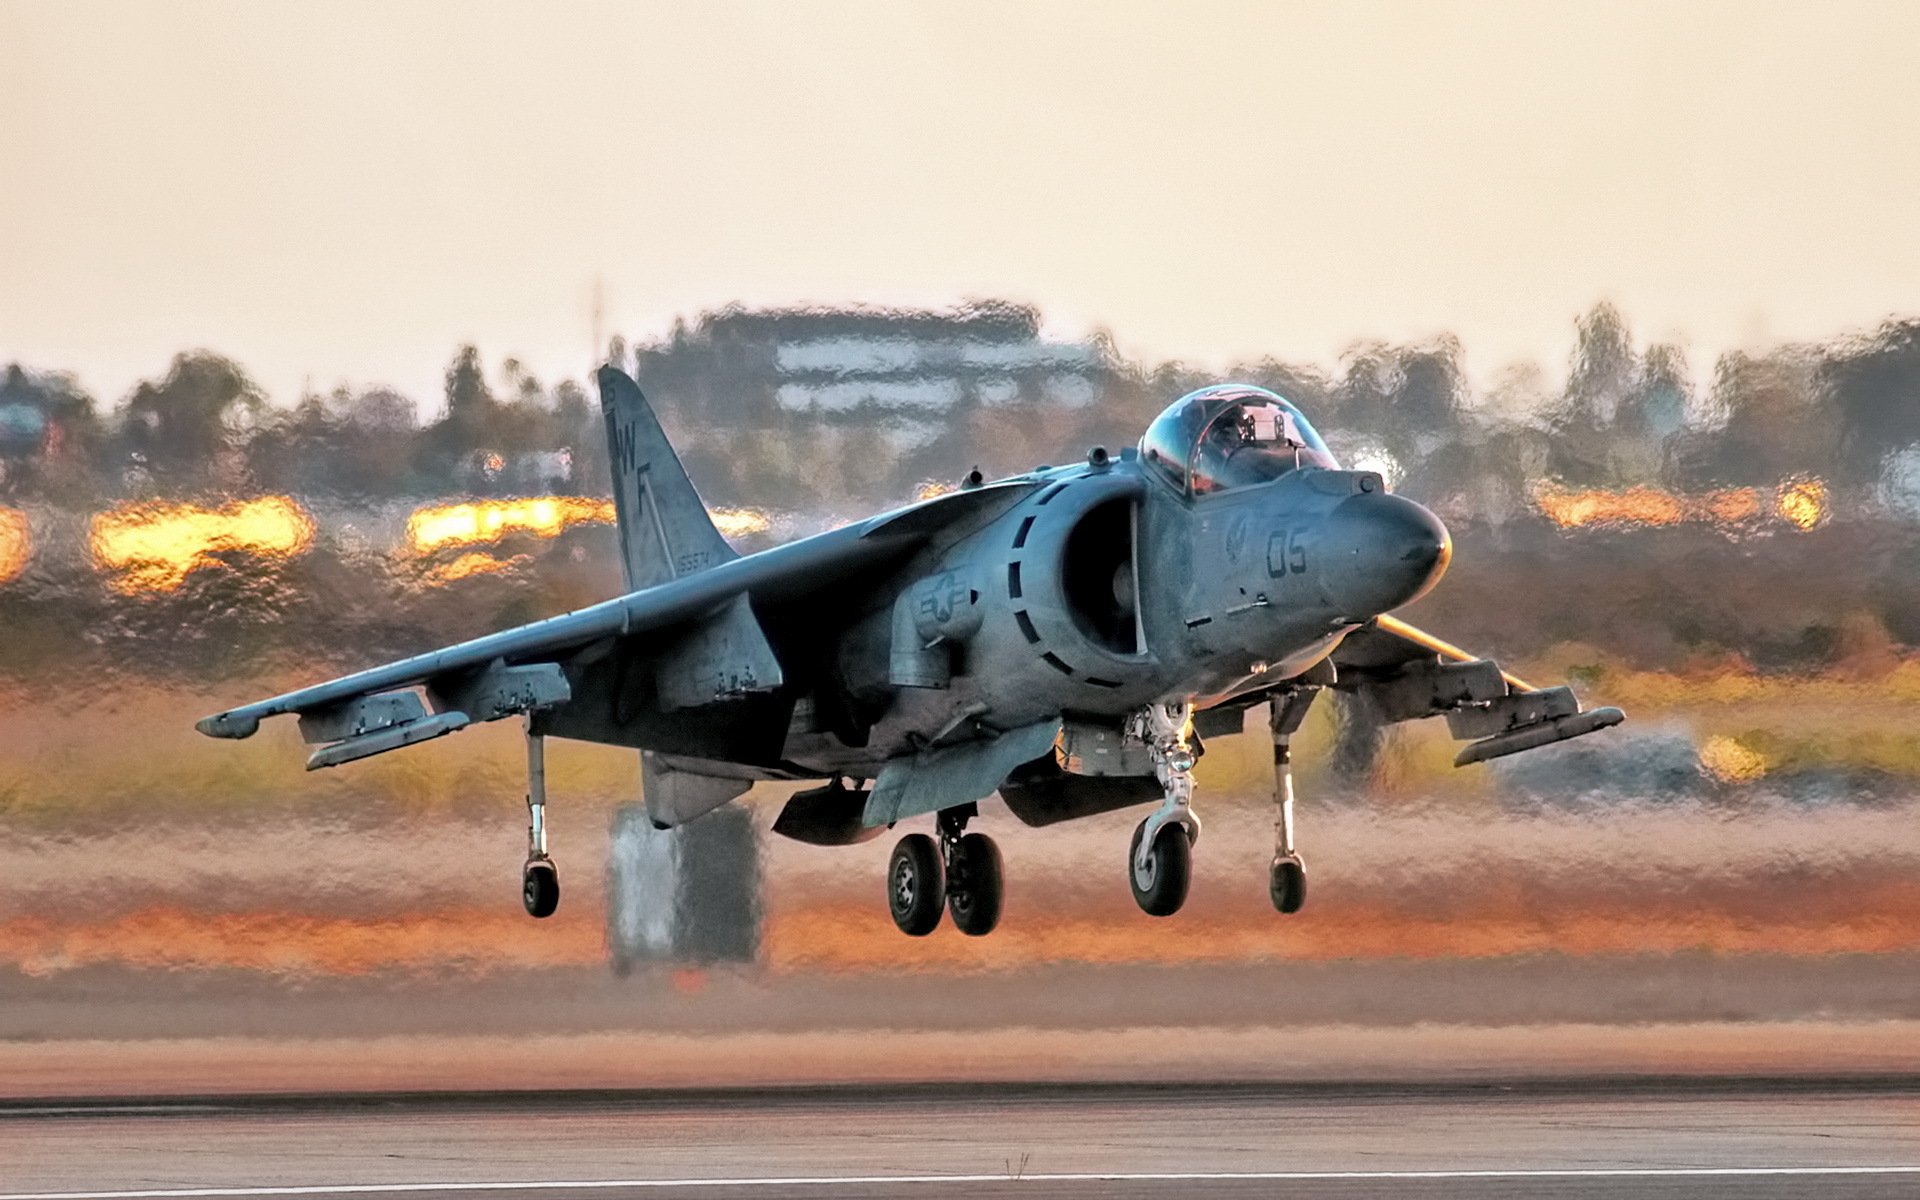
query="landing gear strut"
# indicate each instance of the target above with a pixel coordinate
(1160, 861)
(1287, 879)
(539, 878)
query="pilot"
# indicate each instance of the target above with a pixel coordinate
(1252, 445)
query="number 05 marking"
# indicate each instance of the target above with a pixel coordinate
(1286, 552)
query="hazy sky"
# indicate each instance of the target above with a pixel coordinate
(347, 190)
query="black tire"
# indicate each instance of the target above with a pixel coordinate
(916, 885)
(540, 888)
(974, 885)
(1287, 883)
(1161, 888)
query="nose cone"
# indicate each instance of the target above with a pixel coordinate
(1382, 551)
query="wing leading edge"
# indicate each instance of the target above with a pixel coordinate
(502, 674)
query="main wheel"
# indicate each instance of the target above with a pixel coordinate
(974, 885)
(540, 888)
(916, 885)
(1287, 883)
(1160, 885)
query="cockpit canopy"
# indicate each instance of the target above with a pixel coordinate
(1230, 436)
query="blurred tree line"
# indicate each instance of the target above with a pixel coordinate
(1846, 412)
(1626, 415)
(205, 429)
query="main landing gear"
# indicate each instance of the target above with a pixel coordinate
(960, 872)
(539, 878)
(1160, 860)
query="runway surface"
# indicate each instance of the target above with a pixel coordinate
(1574, 1139)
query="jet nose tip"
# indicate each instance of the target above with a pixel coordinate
(1388, 551)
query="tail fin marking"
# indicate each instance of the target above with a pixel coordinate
(665, 531)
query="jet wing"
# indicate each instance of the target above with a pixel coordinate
(1407, 673)
(517, 670)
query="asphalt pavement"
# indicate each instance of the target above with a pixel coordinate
(1648, 1137)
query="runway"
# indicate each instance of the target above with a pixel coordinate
(1538, 1138)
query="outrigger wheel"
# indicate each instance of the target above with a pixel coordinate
(1160, 882)
(540, 887)
(1287, 884)
(916, 885)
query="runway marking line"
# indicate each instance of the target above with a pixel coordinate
(555, 1185)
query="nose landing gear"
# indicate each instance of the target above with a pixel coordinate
(1160, 860)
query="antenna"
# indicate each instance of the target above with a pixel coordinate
(599, 352)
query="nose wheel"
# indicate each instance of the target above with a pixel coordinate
(1160, 860)
(1161, 870)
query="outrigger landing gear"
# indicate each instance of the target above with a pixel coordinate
(1160, 860)
(539, 878)
(1287, 879)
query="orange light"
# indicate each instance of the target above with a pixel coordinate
(739, 522)
(474, 562)
(443, 525)
(16, 544)
(1635, 506)
(154, 547)
(1801, 503)
(480, 521)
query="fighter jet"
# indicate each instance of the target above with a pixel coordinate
(1068, 638)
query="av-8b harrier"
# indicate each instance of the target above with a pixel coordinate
(1067, 638)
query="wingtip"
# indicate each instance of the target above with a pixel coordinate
(228, 725)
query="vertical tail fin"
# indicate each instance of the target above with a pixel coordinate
(665, 531)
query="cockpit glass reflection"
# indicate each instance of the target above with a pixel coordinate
(1227, 437)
